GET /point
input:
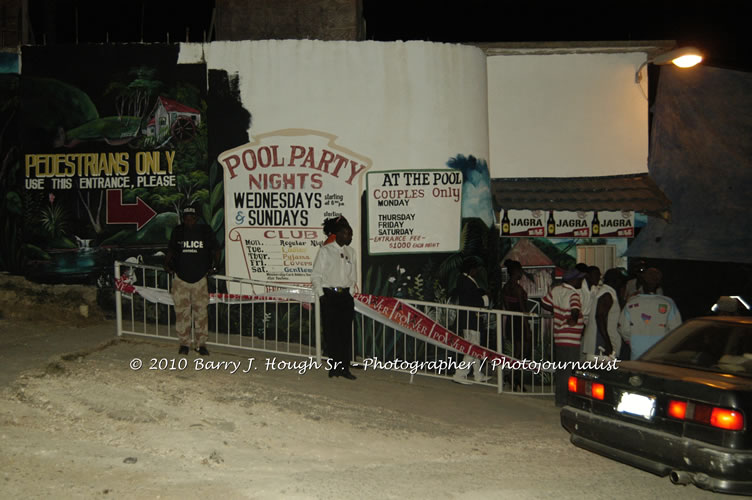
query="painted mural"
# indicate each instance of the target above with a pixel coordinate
(11, 206)
(113, 145)
(115, 140)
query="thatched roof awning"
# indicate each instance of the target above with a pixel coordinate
(635, 192)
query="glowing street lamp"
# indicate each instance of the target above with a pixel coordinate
(684, 57)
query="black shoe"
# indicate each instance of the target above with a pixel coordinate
(333, 373)
(203, 350)
(348, 375)
(183, 350)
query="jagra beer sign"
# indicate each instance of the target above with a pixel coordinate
(278, 191)
(523, 223)
(619, 224)
(567, 224)
(414, 211)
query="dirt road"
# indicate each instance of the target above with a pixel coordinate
(88, 425)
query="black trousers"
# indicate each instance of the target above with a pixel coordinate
(337, 313)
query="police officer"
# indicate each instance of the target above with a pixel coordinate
(192, 254)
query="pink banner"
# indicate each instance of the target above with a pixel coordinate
(411, 320)
(161, 296)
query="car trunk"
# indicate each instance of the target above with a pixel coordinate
(640, 393)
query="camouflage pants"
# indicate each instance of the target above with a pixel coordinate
(191, 301)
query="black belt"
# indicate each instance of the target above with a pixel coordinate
(337, 289)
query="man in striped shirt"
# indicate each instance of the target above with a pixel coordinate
(564, 301)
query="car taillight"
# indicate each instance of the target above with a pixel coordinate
(723, 418)
(586, 388)
(598, 391)
(727, 419)
(572, 384)
(677, 409)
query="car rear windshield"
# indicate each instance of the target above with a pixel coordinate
(708, 345)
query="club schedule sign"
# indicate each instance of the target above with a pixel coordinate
(413, 211)
(278, 191)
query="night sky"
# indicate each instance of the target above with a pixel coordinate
(717, 27)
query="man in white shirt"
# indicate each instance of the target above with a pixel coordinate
(334, 277)
(647, 317)
(589, 289)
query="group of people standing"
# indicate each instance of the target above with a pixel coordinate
(615, 317)
(602, 319)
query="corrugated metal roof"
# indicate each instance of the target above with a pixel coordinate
(635, 192)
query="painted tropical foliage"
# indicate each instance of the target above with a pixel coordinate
(133, 107)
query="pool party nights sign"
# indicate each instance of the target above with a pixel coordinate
(278, 191)
(413, 211)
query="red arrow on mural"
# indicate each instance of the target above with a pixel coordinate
(138, 213)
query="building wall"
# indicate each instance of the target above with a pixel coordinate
(567, 115)
(289, 19)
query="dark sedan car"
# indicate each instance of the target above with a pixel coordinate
(683, 409)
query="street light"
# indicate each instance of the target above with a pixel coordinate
(684, 57)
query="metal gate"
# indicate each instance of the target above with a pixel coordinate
(278, 319)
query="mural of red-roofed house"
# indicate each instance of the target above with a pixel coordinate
(538, 267)
(171, 119)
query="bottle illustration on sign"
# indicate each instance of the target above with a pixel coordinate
(551, 223)
(596, 225)
(505, 226)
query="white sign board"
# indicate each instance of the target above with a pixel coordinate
(278, 191)
(413, 211)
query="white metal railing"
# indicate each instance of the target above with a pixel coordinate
(247, 319)
(523, 336)
(269, 318)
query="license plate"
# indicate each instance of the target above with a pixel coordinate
(637, 405)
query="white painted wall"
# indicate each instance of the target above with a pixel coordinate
(567, 115)
(412, 105)
(406, 105)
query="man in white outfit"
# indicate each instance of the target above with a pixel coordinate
(647, 317)
(588, 289)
